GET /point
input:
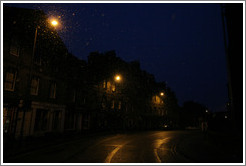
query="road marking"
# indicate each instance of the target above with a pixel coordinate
(111, 155)
(158, 143)
(158, 160)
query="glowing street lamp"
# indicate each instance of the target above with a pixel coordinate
(162, 94)
(117, 78)
(54, 23)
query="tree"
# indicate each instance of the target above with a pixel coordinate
(192, 113)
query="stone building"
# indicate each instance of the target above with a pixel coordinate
(40, 85)
(47, 90)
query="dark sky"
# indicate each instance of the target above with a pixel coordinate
(181, 44)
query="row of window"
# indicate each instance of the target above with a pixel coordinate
(108, 86)
(113, 105)
(10, 80)
(15, 51)
(42, 118)
(35, 87)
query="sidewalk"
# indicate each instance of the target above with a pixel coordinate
(16, 147)
(217, 147)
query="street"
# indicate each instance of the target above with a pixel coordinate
(134, 147)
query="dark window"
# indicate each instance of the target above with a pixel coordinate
(53, 90)
(69, 120)
(10, 79)
(34, 86)
(56, 120)
(41, 120)
(14, 47)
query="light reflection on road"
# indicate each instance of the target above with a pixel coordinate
(111, 155)
(158, 144)
(139, 147)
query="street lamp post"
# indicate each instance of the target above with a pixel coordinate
(54, 23)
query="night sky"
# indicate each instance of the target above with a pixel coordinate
(181, 44)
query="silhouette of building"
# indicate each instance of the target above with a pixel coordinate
(233, 28)
(49, 91)
(41, 86)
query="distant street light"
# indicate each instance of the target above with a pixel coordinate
(162, 94)
(117, 78)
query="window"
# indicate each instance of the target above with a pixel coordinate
(14, 47)
(157, 100)
(6, 119)
(108, 86)
(9, 84)
(104, 84)
(53, 90)
(113, 87)
(34, 86)
(41, 120)
(56, 120)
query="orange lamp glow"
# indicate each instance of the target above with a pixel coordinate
(117, 78)
(54, 23)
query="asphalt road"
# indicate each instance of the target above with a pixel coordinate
(137, 147)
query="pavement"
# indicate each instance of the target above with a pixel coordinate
(16, 147)
(214, 148)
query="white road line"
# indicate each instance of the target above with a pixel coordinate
(111, 155)
(158, 143)
(158, 160)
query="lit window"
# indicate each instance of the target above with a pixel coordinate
(108, 86)
(104, 84)
(157, 100)
(9, 84)
(34, 86)
(113, 87)
(53, 90)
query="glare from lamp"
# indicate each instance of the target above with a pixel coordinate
(117, 78)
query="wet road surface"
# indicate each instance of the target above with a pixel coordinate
(138, 147)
